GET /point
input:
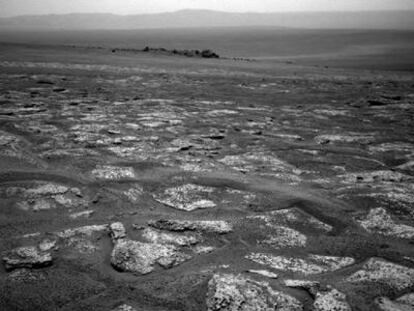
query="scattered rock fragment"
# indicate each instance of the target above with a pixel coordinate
(26, 257)
(312, 264)
(377, 270)
(215, 226)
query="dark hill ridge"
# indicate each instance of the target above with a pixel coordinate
(205, 18)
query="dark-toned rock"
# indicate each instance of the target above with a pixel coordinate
(208, 54)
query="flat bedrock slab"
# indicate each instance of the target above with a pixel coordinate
(377, 270)
(187, 197)
(312, 287)
(108, 172)
(238, 293)
(180, 239)
(124, 307)
(403, 303)
(379, 221)
(215, 226)
(138, 257)
(284, 237)
(331, 300)
(312, 264)
(26, 257)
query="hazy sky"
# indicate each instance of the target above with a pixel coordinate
(24, 7)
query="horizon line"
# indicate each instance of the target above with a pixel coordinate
(208, 10)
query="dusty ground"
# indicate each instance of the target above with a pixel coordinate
(139, 182)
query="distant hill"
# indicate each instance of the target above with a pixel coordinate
(205, 18)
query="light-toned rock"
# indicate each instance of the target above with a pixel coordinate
(356, 138)
(134, 194)
(124, 307)
(284, 237)
(265, 273)
(382, 176)
(188, 197)
(85, 214)
(180, 239)
(404, 303)
(108, 172)
(86, 230)
(238, 293)
(295, 216)
(46, 190)
(202, 249)
(264, 162)
(407, 299)
(26, 257)
(331, 300)
(216, 226)
(36, 205)
(47, 245)
(312, 287)
(117, 231)
(377, 270)
(312, 264)
(379, 221)
(138, 257)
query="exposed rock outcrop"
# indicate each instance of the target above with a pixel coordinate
(26, 257)
(238, 293)
(138, 257)
(216, 226)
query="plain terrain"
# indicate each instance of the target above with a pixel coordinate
(300, 159)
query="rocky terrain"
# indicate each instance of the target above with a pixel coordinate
(139, 183)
